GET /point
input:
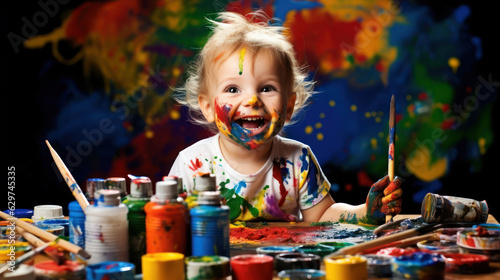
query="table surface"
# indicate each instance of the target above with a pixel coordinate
(493, 274)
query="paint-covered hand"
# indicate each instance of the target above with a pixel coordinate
(383, 199)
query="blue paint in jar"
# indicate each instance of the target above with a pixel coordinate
(419, 265)
(111, 270)
(52, 223)
(299, 274)
(20, 213)
(210, 226)
(76, 224)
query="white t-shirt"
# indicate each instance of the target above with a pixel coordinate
(290, 180)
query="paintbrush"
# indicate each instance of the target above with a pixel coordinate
(75, 249)
(35, 241)
(28, 256)
(392, 142)
(73, 186)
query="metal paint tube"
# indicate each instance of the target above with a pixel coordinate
(346, 267)
(167, 220)
(251, 267)
(106, 228)
(437, 209)
(301, 274)
(210, 226)
(140, 195)
(419, 265)
(288, 261)
(157, 266)
(50, 270)
(207, 268)
(111, 270)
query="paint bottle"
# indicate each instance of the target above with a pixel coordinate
(111, 270)
(202, 182)
(76, 225)
(93, 185)
(167, 220)
(249, 267)
(51, 223)
(106, 228)
(117, 183)
(140, 195)
(20, 213)
(210, 226)
(346, 267)
(181, 192)
(438, 209)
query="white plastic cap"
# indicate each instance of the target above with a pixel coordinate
(209, 198)
(205, 182)
(42, 212)
(166, 190)
(107, 198)
(177, 180)
(141, 187)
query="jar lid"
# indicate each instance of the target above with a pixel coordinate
(209, 198)
(204, 182)
(116, 183)
(94, 184)
(177, 180)
(140, 186)
(107, 198)
(166, 190)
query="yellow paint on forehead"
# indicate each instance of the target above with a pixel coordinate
(240, 62)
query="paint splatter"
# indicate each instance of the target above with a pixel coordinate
(240, 60)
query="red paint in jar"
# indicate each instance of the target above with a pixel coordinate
(251, 267)
(466, 263)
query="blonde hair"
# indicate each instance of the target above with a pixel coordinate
(231, 32)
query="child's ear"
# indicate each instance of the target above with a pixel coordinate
(206, 107)
(290, 105)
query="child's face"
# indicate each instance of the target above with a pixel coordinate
(247, 98)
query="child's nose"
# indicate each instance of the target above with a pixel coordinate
(254, 101)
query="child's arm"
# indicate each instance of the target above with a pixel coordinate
(384, 198)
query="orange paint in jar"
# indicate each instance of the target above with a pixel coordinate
(167, 220)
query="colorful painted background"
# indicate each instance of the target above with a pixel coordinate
(95, 78)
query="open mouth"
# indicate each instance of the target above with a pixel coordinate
(254, 124)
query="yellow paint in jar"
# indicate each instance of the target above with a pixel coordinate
(156, 265)
(346, 267)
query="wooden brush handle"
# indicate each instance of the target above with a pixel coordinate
(47, 236)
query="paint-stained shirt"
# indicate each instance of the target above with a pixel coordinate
(291, 180)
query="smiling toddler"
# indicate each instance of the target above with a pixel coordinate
(246, 86)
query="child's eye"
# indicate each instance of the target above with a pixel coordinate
(231, 89)
(268, 89)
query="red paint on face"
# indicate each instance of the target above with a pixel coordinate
(222, 113)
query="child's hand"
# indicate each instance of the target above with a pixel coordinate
(384, 198)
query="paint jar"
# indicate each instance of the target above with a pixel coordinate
(419, 265)
(167, 220)
(202, 183)
(210, 226)
(111, 270)
(117, 183)
(288, 261)
(250, 267)
(140, 195)
(92, 186)
(55, 222)
(54, 229)
(41, 212)
(69, 270)
(20, 248)
(480, 241)
(106, 228)
(336, 245)
(207, 268)
(318, 250)
(23, 272)
(273, 251)
(76, 224)
(466, 263)
(181, 192)
(20, 213)
(346, 267)
(160, 266)
(379, 266)
(438, 209)
(301, 274)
